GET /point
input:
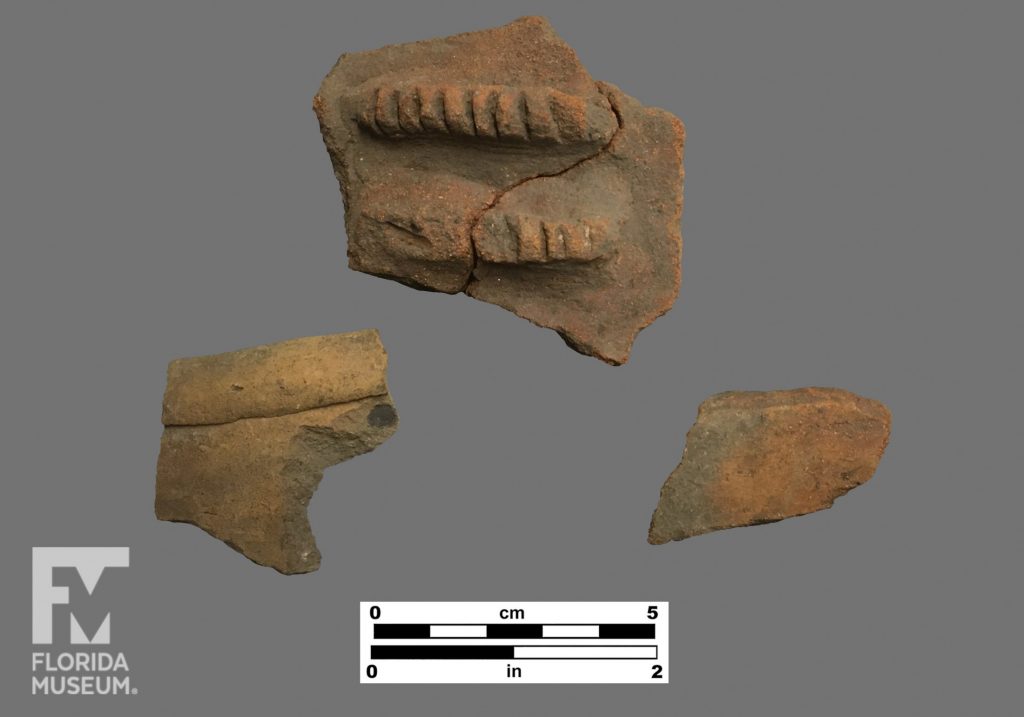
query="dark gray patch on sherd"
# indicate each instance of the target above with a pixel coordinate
(382, 415)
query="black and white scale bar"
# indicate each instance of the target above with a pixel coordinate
(513, 631)
(513, 652)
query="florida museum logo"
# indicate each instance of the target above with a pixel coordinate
(83, 663)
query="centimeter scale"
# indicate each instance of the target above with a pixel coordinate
(513, 642)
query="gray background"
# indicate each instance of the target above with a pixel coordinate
(852, 219)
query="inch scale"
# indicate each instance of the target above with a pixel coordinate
(526, 642)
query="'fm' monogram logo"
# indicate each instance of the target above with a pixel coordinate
(90, 564)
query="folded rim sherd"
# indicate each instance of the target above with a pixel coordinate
(248, 434)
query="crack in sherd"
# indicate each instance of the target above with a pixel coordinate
(499, 194)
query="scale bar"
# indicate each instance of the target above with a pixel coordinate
(513, 652)
(511, 642)
(513, 631)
